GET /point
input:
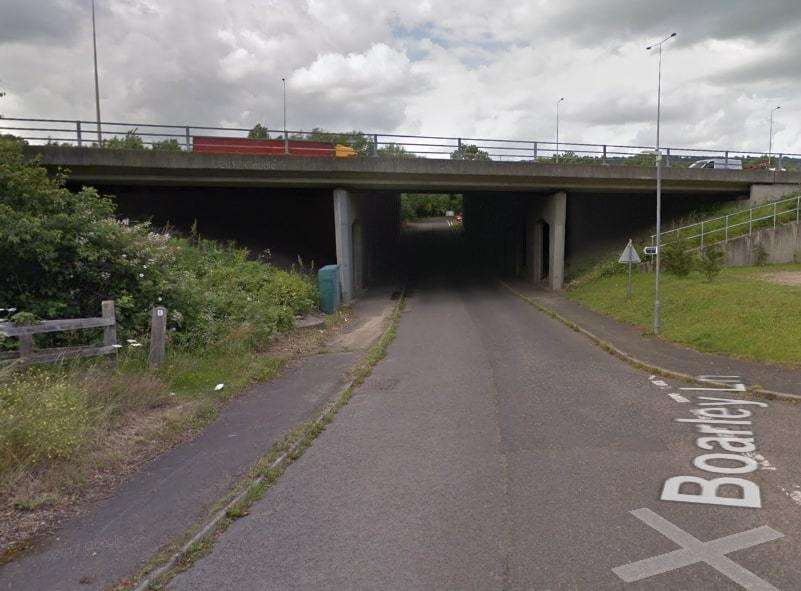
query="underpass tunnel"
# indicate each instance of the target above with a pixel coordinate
(516, 234)
(539, 236)
(288, 226)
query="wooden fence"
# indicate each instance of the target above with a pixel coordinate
(27, 354)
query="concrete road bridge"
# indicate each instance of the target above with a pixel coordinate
(525, 215)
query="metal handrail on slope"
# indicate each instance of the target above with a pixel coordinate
(728, 229)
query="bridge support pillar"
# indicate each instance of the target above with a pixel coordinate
(366, 231)
(344, 218)
(545, 236)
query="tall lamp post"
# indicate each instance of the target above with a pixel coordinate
(657, 310)
(557, 127)
(286, 139)
(97, 84)
(770, 144)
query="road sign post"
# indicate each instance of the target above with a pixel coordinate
(630, 256)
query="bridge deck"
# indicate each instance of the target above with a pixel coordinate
(123, 167)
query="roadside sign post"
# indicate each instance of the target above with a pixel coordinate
(630, 256)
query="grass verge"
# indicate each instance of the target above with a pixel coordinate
(164, 566)
(741, 313)
(71, 433)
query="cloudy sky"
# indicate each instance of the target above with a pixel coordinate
(482, 68)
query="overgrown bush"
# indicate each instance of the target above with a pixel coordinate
(710, 261)
(63, 253)
(676, 259)
(215, 288)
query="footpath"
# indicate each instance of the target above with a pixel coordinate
(115, 538)
(659, 353)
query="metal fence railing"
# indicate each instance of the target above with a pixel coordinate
(744, 222)
(122, 135)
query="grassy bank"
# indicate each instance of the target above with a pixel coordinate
(740, 313)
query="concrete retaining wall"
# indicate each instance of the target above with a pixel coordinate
(763, 193)
(781, 244)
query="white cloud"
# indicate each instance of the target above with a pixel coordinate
(461, 68)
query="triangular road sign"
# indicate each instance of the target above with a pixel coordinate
(629, 254)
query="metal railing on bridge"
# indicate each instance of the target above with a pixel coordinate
(743, 222)
(122, 135)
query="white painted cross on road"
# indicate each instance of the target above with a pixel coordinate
(694, 550)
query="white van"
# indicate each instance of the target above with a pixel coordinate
(732, 163)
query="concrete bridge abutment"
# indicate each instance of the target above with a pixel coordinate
(545, 238)
(763, 193)
(366, 232)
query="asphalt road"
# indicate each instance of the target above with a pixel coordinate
(494, 448)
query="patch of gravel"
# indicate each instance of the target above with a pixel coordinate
(784, 278)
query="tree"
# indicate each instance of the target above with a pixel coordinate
(710, 262)
(572, 158)
(395, 151)
(641, 159)
(131, 141)
(423, 205)
(355, 139)
(676, 259)
(170, 145)
(469, 152)
(259, 132)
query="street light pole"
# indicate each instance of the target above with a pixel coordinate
(657, 305)
(557, 127)
(286, 139)
(770, 144)
(97, 84)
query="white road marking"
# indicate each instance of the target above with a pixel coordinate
(763, 462)
(660, 383)
(737, 388)
(678, 397)
(694, 551)
(734, 379)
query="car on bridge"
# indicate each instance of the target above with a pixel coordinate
(727, 163)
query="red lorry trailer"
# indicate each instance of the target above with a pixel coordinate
(238, 145)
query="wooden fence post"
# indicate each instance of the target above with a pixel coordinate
(25, 347)
(109, 332)
(158, 330)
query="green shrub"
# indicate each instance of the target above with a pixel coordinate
(215, 288)
(710, 261)
(676, 259)
(170, 145)
(64, 253)
(130, 141)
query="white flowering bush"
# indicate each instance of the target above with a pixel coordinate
(63, 253)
